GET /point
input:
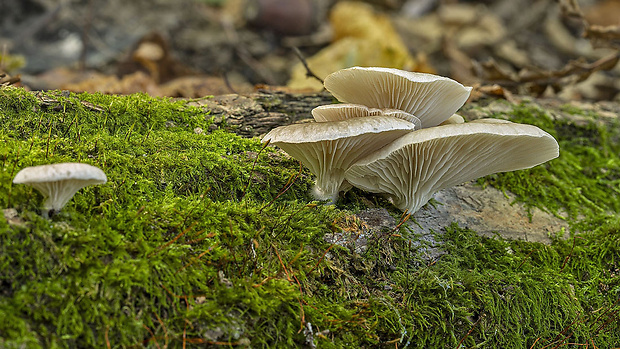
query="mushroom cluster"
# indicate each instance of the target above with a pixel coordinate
(396, 133)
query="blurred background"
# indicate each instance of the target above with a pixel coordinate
(565, 49)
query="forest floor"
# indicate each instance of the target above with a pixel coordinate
(204, 237)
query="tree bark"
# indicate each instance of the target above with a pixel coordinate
(254, 115)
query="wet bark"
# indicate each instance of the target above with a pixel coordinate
(254, 115)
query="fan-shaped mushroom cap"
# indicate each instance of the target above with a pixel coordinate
(336, 112)
(491, 121)
(412, 168)
(431, 98)
(454, 119)
(59, 182)
(329, 148)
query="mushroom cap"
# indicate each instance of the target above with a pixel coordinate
(59, 182)
(336, 112)
(412, 168)
(327, 149)
(491, 121)
(454, 119)
(431, 98)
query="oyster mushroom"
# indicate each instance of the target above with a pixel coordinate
(454, 119)
(327, 149)
(59, 182)
(431, 98)
(335, 112)
(412, 168)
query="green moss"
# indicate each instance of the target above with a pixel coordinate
(583, 182)
(192, 243)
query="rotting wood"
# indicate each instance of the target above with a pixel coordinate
(254, 115)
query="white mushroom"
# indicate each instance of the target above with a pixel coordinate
(412, 168)
(431, 98)
(454, 119)
(59, 182)
(491, 121)
(336, 112)
(329, 148)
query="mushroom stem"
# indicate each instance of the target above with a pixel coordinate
(328, 188)
(329, 195)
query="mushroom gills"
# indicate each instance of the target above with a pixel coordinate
(336, 112)
(431, 98)
(414, 167)
(328, 149)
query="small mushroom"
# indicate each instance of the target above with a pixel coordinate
(412, 168)
(329, 148)
(336, 112)
(431, 98)
(59, 182)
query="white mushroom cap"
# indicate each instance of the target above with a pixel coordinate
(329, 148)
(59, 182)
(412, 168)
(431, 98)
(491, 121)
(454, 119)
(336, 112)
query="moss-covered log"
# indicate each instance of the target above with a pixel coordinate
(204, 238)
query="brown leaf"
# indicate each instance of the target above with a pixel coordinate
(496, 91)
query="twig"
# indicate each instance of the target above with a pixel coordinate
(160, 248)
(610, 316)
(536, 341)
(569, 255)
(247, 186)
(284, 189)
(288, 276)
(197, 258)
(165, 330)
(185, 323)
(107, 340)
(470, 331)
(605, 312)
(309, 72)
(289, 219)
(227, 82)
(560, 341)
(404, 218)
(244, 54)
(525, 258)
(324, 254)
(153, 338)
